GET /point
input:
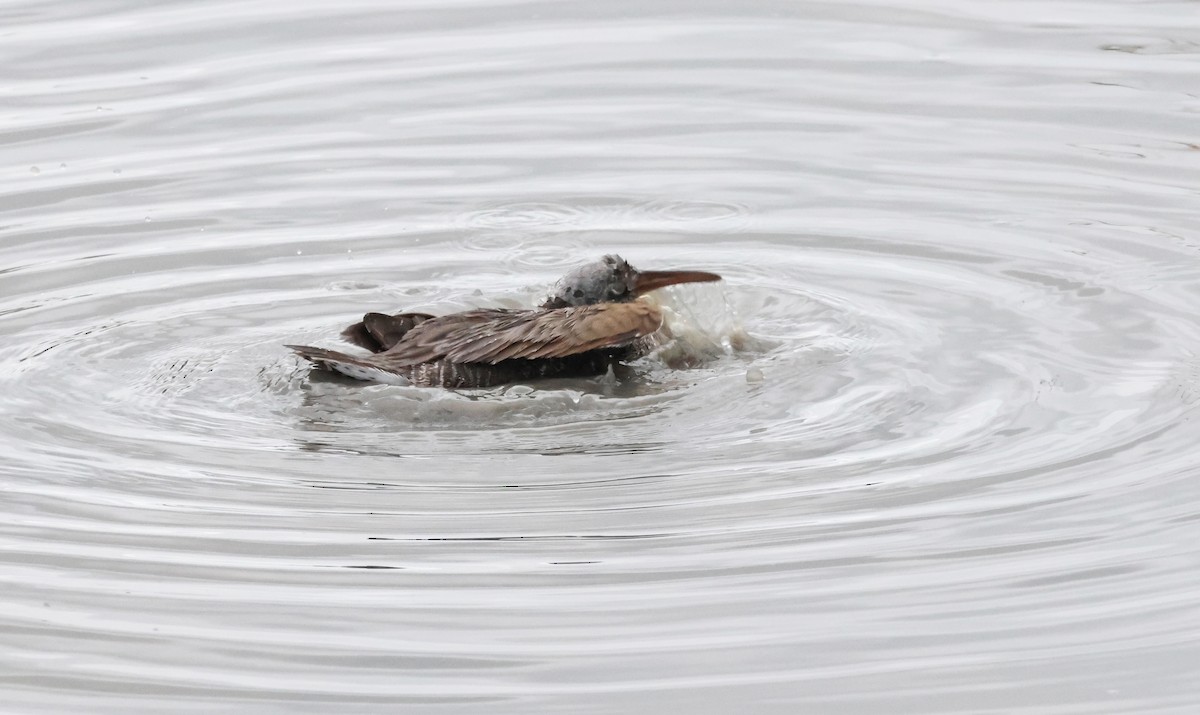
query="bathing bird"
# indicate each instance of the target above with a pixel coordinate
(591, 320)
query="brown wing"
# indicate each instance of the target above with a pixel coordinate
(378, 332)
(490, 336)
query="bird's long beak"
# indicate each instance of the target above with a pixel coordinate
(647, 281)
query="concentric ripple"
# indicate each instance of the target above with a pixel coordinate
(927, 449)
(607, 213)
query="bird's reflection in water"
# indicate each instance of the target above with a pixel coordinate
(558, 417)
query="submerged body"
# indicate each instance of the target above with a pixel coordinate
(591, 320)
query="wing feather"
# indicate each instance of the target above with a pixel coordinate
(378, 332)
(490, 336)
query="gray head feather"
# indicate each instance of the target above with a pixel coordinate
(608, 280)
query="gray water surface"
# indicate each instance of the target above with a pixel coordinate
(936, 452)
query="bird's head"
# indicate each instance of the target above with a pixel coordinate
(612, 280)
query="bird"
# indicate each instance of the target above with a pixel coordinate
(591, 320)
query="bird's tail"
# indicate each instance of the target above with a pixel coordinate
(356, 367)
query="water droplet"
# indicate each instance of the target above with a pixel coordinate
(62, 165)
(754, 375)
(34, 170)
(116, 171)
(299, 253)
(147, 219)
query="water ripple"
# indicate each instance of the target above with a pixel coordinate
(603, 213)
(926, 449)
